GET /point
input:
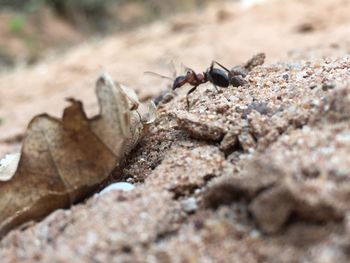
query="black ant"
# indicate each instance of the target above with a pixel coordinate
(218, 77)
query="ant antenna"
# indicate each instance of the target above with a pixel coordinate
(183, 67)
(215, 62)
(187, 69)
(173, 68)
(158, 75)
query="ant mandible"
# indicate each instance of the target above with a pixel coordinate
(218, 77)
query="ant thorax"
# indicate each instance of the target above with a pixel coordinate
(202, 78)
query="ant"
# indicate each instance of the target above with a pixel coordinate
(218, 77)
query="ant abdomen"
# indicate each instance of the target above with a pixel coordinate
(218, 77)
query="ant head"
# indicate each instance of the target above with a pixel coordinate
(182, 80)
(179, 81)
(191, 76)
(189, 72)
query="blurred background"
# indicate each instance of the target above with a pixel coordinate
(34, 29)
(31, 28)
(53, 49)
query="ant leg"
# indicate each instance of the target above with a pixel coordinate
(211, 79)
(215, 62)
(211, 66)
(216, 88)
(218, 91)
(188, 93)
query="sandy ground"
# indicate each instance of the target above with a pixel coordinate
(274, 152)
(226, 32)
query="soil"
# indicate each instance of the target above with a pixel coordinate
(256, 173)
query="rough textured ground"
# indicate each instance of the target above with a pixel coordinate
(258, 173)
(224, 32)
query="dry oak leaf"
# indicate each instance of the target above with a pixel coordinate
(63, 161)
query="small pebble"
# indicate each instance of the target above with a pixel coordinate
(312, 86)
(285, 77)
(117, 186)
(294, 65)
(255, 233)
(189, 205)
(328, 85)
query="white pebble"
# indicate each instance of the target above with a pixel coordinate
(189, 205)
(117, 186)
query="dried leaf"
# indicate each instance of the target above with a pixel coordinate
(63, 161)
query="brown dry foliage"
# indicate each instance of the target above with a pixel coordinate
(63, 161)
